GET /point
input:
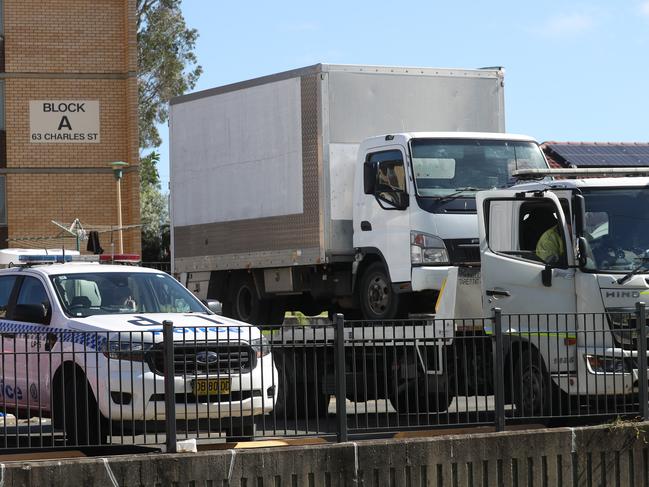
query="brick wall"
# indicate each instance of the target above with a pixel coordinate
(71, 50)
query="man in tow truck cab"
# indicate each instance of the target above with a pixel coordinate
(551, 248)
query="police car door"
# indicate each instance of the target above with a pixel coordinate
(7, 344)
(30, 314)
(537, 299)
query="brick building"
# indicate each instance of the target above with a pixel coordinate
(68, 108)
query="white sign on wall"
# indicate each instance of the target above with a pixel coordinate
(64, 121)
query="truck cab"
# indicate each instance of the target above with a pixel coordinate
(569, 310)
(414, 211)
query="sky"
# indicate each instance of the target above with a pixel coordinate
(574, 71)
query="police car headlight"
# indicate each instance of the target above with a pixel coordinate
(427, 250)
(260, 346)
(124, 350)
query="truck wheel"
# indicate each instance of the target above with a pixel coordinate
(297, 397)
(408, 391)
(245, 304)
(410, 398)
(532, 388)
(378, 300)
(84, 425)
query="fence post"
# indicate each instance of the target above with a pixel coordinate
(499, 377)
(341, 385)
(170, 395)
(641, 322)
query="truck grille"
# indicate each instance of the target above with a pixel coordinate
(463, 250)
(205, 359)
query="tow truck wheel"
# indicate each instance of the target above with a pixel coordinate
(532, 388)
(378, 300)
(245, 304)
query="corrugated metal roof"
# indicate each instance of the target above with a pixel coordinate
(597, 154)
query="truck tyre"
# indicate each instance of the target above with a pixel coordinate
(532, 385)
(377, 298)
(84, 425)
(298, 397)
(408, 391)
(245, 304)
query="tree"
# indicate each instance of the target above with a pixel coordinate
(167, 65)
(166, 68)
(154, 212)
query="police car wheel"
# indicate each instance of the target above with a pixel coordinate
(83, 423)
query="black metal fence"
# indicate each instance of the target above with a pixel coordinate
(346, 379)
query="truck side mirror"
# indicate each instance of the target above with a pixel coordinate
(580, 214)
(583, 249)
(546, 275)
(369, 177)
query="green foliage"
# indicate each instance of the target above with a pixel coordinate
(167, 65)
(149, 170)
(155, 224)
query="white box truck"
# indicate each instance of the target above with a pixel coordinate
(284, 196)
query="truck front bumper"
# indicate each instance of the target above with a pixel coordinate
(426, 278)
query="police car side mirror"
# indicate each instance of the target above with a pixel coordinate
(213, 305)
(31, 313)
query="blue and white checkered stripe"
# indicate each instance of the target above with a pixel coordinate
(89, 339)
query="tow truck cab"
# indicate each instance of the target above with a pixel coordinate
(574, 310)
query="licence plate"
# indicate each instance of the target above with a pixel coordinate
(204, 387)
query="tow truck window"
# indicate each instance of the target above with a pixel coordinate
(537, 222)
(616, 229)
(6, 286)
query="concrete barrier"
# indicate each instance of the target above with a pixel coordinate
(602, 455)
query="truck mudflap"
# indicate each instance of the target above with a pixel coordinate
(460, 296)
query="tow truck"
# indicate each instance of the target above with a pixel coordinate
(570, 326)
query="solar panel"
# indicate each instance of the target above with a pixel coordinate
(603, 155)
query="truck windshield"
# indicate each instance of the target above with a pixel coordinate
(103, 293)
(442, 167)
(616, 228)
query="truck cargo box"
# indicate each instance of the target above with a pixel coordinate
(262, 170)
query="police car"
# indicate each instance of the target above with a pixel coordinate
(82, 342)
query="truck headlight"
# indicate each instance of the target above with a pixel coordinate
(607, 365)
(125, 350)
(427, 249)
(261, 346)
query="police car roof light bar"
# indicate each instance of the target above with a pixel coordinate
(35, 259)
(524, 174)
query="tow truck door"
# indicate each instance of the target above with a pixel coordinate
(536, 300)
